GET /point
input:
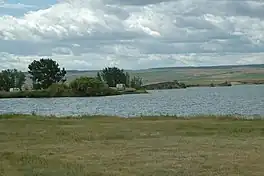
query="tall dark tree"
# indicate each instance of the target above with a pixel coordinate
(113, 76)
(11, 78)
(45, 72)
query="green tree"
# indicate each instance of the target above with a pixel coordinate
(113, 76)
(136, 82)
(85, 84)
(45, 72)
(11, 78)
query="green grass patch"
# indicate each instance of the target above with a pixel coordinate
(99, 145)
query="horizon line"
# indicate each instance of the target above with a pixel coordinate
(180, 67)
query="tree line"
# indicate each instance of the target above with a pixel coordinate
(46, 72)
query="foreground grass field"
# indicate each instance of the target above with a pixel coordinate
(139, 146)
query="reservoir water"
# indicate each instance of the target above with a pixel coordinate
(239, 100)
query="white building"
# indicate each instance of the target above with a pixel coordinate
(14, 90)
(120, 86)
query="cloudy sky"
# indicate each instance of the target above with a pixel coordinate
(132, 34)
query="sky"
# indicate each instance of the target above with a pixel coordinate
(131, 34)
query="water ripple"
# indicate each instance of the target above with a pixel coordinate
(243, 100)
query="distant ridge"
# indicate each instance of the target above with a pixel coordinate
(212, 67)
(184, 67)
(188, 75)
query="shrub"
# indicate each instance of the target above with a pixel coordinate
(59, 90)
(86, 85)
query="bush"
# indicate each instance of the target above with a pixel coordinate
(59, 90)
(86, 85)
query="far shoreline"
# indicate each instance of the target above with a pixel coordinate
(170, 85)
(28, 94)
(145, 90)
(46, 94)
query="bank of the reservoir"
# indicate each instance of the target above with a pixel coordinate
(69, 93)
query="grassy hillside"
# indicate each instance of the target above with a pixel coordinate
(190, 75)
(140, 146)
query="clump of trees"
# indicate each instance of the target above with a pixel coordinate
(83, 83)
(49, 81)
(11, 78)
(90, 86)
(113, 76)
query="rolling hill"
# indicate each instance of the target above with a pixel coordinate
(188, 75)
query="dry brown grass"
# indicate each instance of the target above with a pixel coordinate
(114, 146)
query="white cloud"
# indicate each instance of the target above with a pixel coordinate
(135, 34)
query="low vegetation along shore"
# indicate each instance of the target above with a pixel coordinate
(58, 91)
(48, 146)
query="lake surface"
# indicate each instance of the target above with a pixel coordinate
(240, 100)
